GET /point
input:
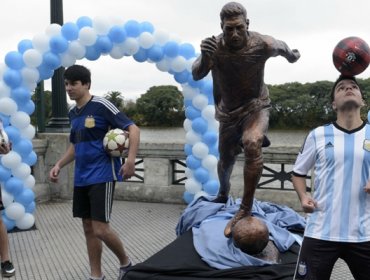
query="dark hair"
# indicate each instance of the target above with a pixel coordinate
(341, 78)
(78, 73)
(232, 9)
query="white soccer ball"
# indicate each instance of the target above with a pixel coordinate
(116, 142)
(4, 139)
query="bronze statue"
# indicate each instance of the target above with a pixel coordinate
(237, 60)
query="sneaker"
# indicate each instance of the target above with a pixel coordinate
(123, 270)
(7, 269)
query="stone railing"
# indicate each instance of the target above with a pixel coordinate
(156, 179)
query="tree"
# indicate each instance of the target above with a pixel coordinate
(47, 96)
(161, 106)
(116, 98)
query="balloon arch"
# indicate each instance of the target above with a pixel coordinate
(36, 59)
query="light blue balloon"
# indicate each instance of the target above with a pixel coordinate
(103, 44)
(13, 134)
(23, 147)
(188, 102)
(188, 197)
(92, 53)
(181, 77)
(171, 49)
(199, 125)
(21, 95)
(45, 72)
(51, 60)
(5, 119)
(141, 55)
(155, 53)
(210, 138)
(13, 186)
(30, 159)
(146, 26)
(213, 150)
(132, 28)
(25, 197)
(201, 174)
(188, 149)
(84, 21)
(70, 31)
(12, 78)
(5, 173)
(368, 116)
(9, 223)
(14, 60)
(24, 45)
(192, 162)
(195, 84)
(58, 44)
(207, 88)
(30, 208)
(211, 187)
(192, 113)
(117, 34)
(187, 50)
(28, 107)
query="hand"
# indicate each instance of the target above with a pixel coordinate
(54, 173)
(127, 170)
(295, 55)
(308, 204)
(367, 187)
(208, 46)
(4, 148)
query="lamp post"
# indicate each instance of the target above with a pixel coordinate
(59, 121)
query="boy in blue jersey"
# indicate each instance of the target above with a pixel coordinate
(95, 171)
(338, 223)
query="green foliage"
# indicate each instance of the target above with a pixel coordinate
(116, 98)
(161, 106)
(47, 108)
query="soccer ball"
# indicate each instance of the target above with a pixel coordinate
(116, 142)
(351, 56)
(4, 139)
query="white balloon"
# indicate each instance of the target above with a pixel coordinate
(25, 222)
(163, 65)
(20, 120)
(6, 198)
(187, 125)
(200, 101)
(210, 162)
(178, 64)
(11, 160)
(32, 58)
(189, 64)
(161, 37)
(53, 29)
(29, 182)
(117, 52)
(4, 90)
(30, 75)
(8, 106)
(22, 171)
(40, 42)
(189, 92)
(189, 173)
(101, 25)
(146, 40)
(199, 194)
(28, 132)
(213, 125)
(193, 186)
(130, 46)
(208, 112)
(3, 68)
(67, 60)
(76, 49)
(87, 36)
(15, 211)
(192, 137)
(200, 150)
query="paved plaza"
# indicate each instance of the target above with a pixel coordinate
(56, 248)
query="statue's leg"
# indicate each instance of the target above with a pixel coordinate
(253, 134)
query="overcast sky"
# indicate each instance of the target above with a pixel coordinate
(314, 27)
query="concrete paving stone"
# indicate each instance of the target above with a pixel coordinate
(56, 248)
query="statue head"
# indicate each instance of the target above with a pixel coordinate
(233, 9)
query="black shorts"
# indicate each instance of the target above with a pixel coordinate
(1, 202)
(94, 201)
(317, 259)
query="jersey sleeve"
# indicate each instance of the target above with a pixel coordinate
(306, 156)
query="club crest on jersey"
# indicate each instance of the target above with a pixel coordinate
(302, 269)
(89, 121)
(366, 145)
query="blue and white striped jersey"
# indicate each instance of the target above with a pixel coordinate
(341, 162)
(89, 126)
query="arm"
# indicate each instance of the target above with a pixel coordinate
(308, 204)
(278, 47)
(67, 158)
(128, 168)
(203, 64)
